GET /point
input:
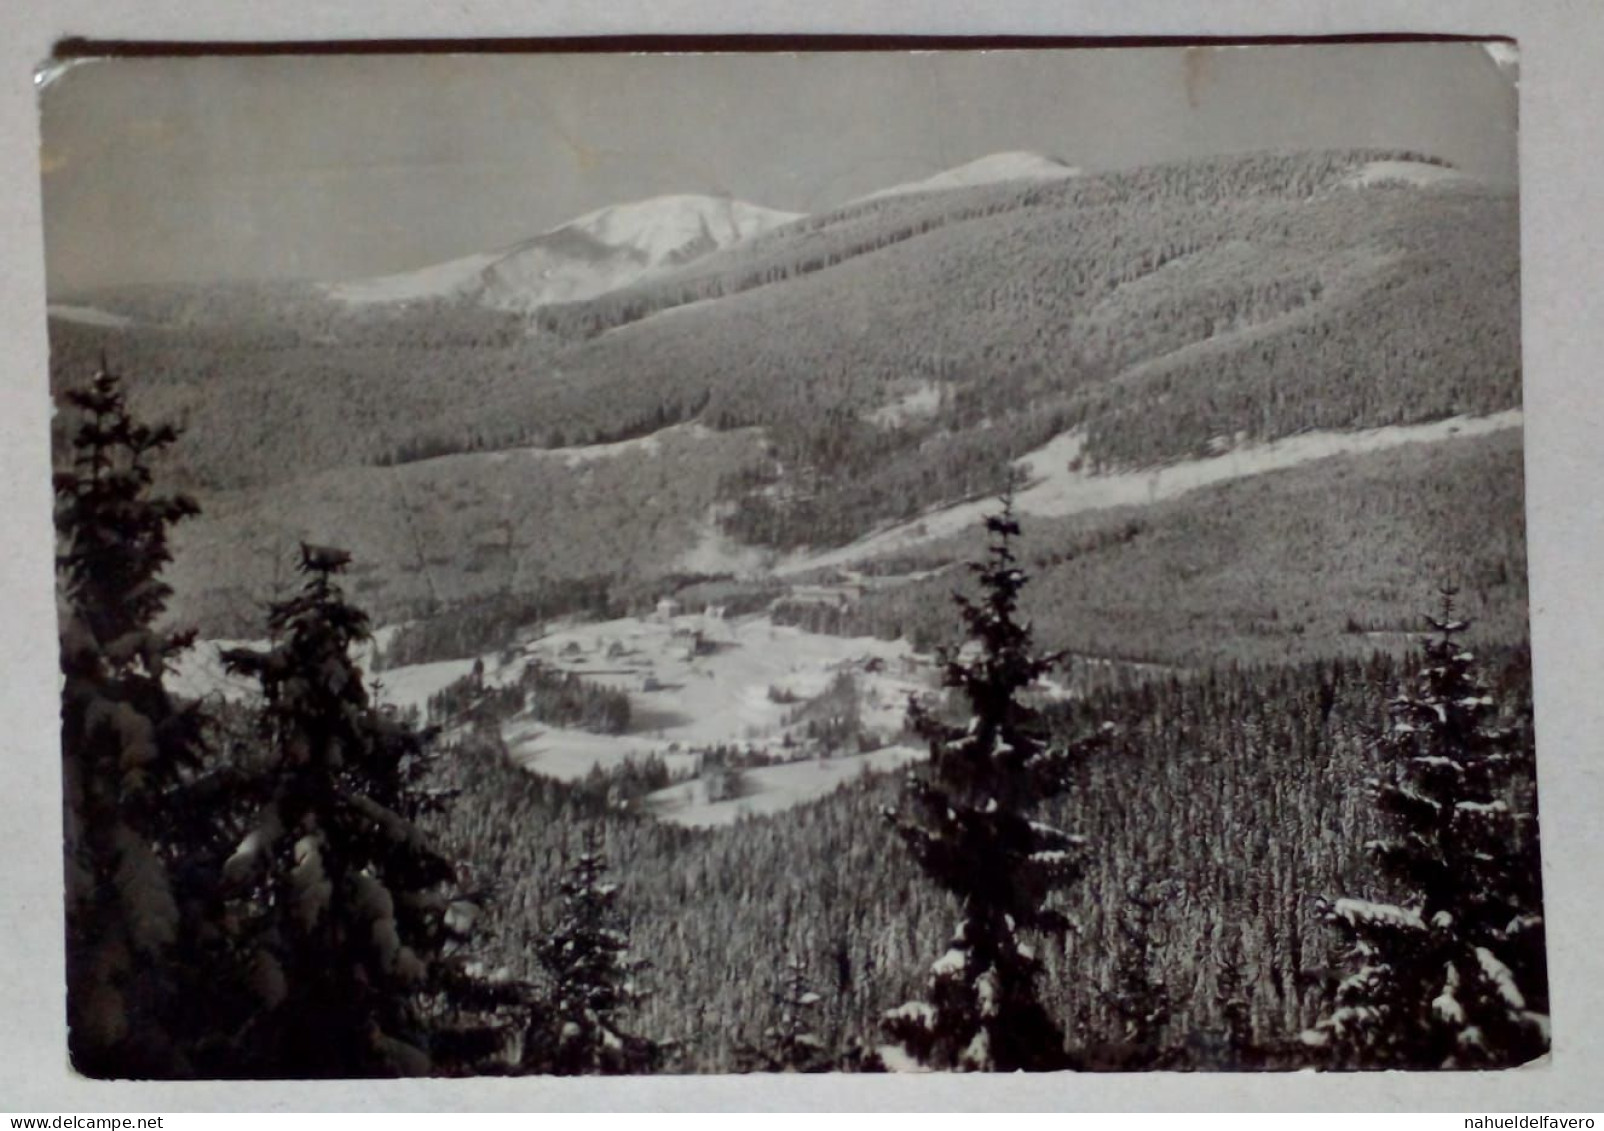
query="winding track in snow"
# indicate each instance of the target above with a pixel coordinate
(1055, 487)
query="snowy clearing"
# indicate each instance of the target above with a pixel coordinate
(1418, 173)
(412, 686)
(698, 681)
(570, 755)
(88, 315)
(694, 681)
(921, 402)
(580, 454)
(649, 445)
(771, 789)
(1057, 487)
(716, 552)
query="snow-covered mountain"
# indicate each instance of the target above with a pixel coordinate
(596, 253)
(1014, 165)
(622, 244)
(614, 247)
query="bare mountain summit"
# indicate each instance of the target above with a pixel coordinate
(589, 256)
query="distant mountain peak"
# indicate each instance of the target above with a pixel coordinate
(600, 251)
(1010, 165)
(621, 244)
(661, 228)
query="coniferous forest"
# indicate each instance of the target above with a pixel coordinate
(1334, 863)
(1083, 630)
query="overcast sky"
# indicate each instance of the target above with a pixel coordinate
(335, 167)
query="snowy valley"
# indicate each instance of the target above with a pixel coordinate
(698, 680)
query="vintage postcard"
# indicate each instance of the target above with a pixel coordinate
(793, 562)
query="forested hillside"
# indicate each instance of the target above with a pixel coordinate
(817, 242)
(495, 917)
(1157, 308)
(504, 527)
(1215, 574)
(265, 408)
(1319, 560)
(1229, 799)
(902, 363)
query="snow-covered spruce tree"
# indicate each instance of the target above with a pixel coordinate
(128, 747)
(965, 817)
(789, 1043)
(1453, 975)
(343, 906)
(1140, 1002)
(593, 980)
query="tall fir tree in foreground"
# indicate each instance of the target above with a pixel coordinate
(344, 906)
(1452, 975)
(129, 749)
(593, 980)
(965, 816)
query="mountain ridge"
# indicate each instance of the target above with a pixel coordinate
(625, 243)
(599, 251)
(1006, 165)
(874, 366)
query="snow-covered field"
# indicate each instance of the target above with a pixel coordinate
(412, 686)
(716, 552)
(1056, 485)
(694, 681)
(921, 402)
(641, 445)
(743, 686)
(1417, 173)
(772, 789)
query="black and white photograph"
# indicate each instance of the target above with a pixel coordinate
(793, 561)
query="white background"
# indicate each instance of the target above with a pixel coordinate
(1562, 168)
